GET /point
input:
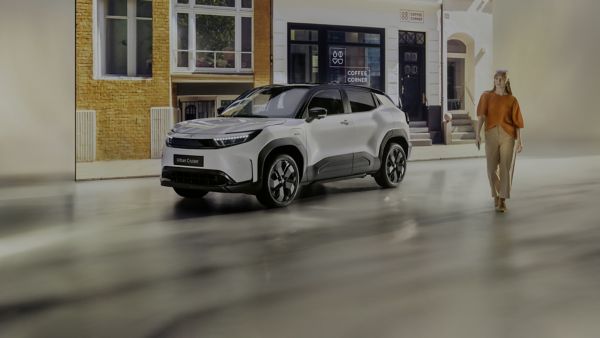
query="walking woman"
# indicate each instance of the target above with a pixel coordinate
(499, 110)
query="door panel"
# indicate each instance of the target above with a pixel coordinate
(330, 147)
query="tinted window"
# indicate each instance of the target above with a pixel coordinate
(360, 100)
(330, 99)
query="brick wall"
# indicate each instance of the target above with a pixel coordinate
(122, 106)
(262, 42)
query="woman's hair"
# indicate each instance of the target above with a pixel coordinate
(503, 74)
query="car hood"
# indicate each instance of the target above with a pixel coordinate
(224, 125)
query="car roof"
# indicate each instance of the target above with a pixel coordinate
(324, 85)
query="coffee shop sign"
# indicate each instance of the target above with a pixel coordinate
(358, 76)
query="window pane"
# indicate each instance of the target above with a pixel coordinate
(117, 8)
(304, 35)
(222, 3)
(182, 1)
(304, 63)
(205, 60)
(182, 59)
(144, 48)
(353, 37)
(144, 9)
(225, 60)
(182, 31)
(215, 32)
(246, 3)
(116, 46)
(246, 34)
(246, 60)
(328, 99)
(360, 100)
(363, 67)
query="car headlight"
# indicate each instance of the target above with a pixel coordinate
(169, 141)
(232, 140)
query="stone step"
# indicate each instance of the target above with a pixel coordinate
(462, 123)
(418, 124)
(420, 136)
(461, 116)
(463, 136)
(463, 129)
(464, 142)
(418, 130)
(421, 143)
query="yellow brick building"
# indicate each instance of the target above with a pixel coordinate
(121, 77)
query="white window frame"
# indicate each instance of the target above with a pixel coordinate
(99, 41)
(191, 9)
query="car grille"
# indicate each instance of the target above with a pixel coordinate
(185, 143)
(196, 177)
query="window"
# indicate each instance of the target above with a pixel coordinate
(330, 99)
(336, 54)
(360, 100)
(125, 28)
(213, 35)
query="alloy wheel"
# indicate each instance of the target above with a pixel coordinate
(283, 181)
(395, 165)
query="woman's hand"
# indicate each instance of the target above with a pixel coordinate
(519, 147)
(477, 140)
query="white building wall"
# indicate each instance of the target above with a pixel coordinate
(375, 14)
(479, 27)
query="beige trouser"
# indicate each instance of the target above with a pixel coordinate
(500, 151)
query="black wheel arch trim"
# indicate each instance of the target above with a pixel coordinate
(282, 142)
(393, 134)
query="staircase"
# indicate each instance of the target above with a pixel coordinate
(420, 134)
(462, 128)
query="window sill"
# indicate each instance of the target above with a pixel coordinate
(122, 78)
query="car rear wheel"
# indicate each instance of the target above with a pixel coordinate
(190, 193)
(281, 182)
(393, 166)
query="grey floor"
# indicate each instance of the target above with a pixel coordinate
(128, 258)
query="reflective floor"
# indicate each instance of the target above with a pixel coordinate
(128, 258)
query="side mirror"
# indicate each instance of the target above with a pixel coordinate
(316, 113)
(220, 110)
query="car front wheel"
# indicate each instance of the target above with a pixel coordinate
(281, 182)
(190, 193)
(393, 167)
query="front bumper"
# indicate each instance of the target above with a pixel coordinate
(204, 179)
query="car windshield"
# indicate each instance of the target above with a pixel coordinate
(280, 102)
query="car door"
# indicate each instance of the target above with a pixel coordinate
(364, 126)
(329, 138)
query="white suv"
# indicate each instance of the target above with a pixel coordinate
(273, 139)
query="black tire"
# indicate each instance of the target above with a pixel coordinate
(393, 166)
(190, 193)
(280, 182)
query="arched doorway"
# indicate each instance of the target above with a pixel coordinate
(456, 83)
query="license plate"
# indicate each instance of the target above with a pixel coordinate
(191, 161)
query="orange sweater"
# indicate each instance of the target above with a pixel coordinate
(502, 110)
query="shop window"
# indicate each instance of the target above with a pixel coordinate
(214, 35)
(336, 54)
(125, 34)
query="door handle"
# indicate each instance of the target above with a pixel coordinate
(345, 122)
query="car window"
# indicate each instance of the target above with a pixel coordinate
(330, 99)
(279, 102)
(360, 100)
(385, 101)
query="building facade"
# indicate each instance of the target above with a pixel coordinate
(144, 64)
(390, 45)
